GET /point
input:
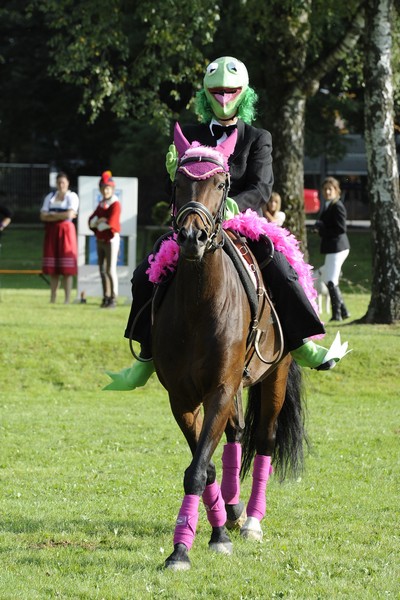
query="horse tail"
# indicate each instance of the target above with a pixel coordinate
(291, 437)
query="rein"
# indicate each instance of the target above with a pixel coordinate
(211, 223)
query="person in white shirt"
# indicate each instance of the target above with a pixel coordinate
(60, 249)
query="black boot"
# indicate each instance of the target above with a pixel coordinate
(344, 312)
(343, 309)
(334, 294)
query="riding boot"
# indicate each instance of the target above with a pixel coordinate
(297, 316)
(131, 377)
(334, 294)
(312, 356)
(343, 309)
(317, 357)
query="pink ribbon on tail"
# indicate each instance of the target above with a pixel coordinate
(231, 461)
(215, 505)
(261, 471)
(186, 523)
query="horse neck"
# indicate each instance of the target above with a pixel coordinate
(203, 281)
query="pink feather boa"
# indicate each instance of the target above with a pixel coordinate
(252, 226)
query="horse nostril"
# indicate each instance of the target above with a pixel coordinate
(182, 236)
(202, 236)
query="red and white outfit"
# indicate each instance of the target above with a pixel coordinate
(108, 241)
(60, 251)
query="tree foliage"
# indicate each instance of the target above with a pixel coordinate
(135, 58)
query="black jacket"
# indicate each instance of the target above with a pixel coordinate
(332, 228)
(250, 164)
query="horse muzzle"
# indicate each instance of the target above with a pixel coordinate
(192, 243)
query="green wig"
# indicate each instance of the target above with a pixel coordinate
(246, 109)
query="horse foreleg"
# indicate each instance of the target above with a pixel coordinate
(199, 481)
(230, 484)
(216, 515)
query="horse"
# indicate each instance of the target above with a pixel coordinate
(199, 335)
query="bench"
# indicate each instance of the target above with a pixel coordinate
(24, 272)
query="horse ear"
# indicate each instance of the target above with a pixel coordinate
(228, 146)
(180, 141)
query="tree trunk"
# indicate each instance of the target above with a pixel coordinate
(288, 143)
(383, 176)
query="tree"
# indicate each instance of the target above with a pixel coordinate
(383, 176)
(295, 44)
(144, 61)
(139, 59)
(39, 120)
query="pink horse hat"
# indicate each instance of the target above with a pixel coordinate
(200, 167)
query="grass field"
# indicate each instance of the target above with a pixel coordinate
(21, 248)
(91, 481)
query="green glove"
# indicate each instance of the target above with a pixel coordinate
(132, 377)
(171, 161)
(231, 209)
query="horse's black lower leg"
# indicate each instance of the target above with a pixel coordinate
(220, 541)
(179, 559)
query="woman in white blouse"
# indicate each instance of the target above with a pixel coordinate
(60, 249)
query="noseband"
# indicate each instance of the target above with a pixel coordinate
(211, 223)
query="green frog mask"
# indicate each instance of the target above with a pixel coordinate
(225, 84)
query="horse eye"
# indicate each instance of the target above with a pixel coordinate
(221, 186)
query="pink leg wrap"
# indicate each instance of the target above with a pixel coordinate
(215, 505)
(231, 462)
(261, 472)
(186, 523)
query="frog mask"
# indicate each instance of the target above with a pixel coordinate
(225, 84)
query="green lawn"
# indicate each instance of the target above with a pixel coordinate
(91, 481)
(21, 248)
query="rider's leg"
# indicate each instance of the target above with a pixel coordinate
(298, 318)
(138, 374)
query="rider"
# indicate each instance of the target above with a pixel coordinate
(227, 102)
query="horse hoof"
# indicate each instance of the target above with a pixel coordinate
(179, 559)
(221, 547)
(177, 565)
(251, 530)
(236, 515)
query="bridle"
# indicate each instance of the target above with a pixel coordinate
(211, 223)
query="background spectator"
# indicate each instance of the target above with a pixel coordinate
(60, 244)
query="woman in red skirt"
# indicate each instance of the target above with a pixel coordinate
(60, 244)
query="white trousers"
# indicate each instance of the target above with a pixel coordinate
(115, 242)
(333, 265)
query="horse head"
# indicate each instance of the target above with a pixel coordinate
(200, 189)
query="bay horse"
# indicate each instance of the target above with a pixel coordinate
(200, 332)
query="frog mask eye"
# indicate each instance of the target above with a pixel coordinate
(212, 68)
